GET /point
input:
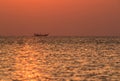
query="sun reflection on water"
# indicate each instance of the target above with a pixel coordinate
(37, 59)
(26, 64)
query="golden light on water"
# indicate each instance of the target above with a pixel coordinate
(59, 59)
(26, 65)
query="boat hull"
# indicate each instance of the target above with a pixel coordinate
(41, 35)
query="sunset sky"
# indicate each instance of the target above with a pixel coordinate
(60, 17)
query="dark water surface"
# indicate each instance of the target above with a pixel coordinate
(59, 58)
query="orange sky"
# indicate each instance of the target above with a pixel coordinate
(60, 17)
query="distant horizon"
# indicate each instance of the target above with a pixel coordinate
(62, 35)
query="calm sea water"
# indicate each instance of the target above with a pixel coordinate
(59, 58)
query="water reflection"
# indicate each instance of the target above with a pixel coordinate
(36, 59)
(26, 65)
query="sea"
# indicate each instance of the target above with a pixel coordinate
(59, 58)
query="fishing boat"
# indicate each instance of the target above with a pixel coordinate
(40, 35)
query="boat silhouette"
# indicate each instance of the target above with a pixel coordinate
(42, 35)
